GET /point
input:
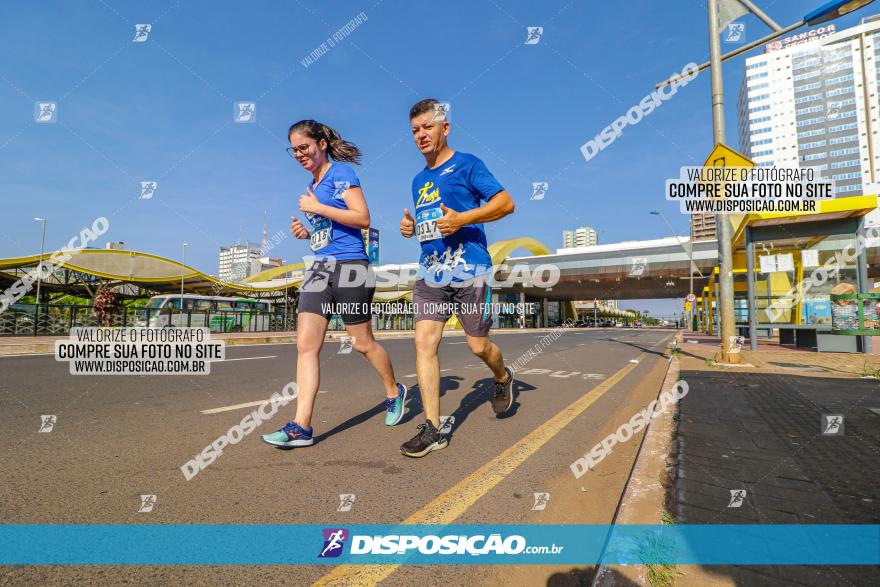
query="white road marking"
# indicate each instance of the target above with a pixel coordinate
(235, 407)
(241, 406)
(462, 342)
(415, 375)
(249, 358)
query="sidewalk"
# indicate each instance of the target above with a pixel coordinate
(771, 357)
(758, 430)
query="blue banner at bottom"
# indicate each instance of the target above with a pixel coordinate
(233, 544)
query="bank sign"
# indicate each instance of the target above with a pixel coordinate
(805, 37)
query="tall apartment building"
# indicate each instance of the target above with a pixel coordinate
(240, 261)
(811, 100)
(584, 236)
(703, 227)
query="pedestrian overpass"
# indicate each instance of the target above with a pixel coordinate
(628, 270)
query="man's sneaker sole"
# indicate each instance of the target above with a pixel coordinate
(290, 443)
(402, 408)
(510, 393)
(439, 445)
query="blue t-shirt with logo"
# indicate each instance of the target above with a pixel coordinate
(329, 238)
(461, 183)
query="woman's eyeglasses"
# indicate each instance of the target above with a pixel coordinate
(302, 150)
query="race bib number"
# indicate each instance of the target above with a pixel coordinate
(321, 230)
(426, 225)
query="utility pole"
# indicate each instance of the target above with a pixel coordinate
(722, 222)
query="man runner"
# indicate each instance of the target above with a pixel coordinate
(452, 197)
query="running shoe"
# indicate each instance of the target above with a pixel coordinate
(394, 405)
(503, 398)
(290, 436)
(426, 439)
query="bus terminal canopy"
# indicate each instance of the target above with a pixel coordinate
(88, 268)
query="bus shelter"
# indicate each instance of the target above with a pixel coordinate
(787, 267)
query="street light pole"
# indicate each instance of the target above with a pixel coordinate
(42, 222)
(185, 245)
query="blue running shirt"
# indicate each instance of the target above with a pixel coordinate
(461, 183)
(329, 238)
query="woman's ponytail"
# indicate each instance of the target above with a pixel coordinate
(338, 149)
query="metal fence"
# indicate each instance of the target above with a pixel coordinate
(53, 319)
(56, 319)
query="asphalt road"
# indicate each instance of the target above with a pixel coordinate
(119, 437)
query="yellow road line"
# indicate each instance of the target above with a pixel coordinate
(452, 503)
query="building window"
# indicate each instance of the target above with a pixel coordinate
(842, 164)
(838, 80)
(839, 91)
(807, 63)
(809, 121)
(810, 110)
(806, 87)
(848, 151)
(846, 139)
(848, 126)
(811, 133)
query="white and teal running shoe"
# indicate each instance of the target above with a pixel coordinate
(394, 405)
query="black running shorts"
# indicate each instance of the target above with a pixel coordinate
(339, 287)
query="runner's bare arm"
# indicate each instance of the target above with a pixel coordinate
(357, 215)
(498, 206)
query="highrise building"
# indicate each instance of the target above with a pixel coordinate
(240, 261)
(811, 100)
(703, 227)
(584, 236)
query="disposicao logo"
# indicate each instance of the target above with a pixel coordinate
(334, 541)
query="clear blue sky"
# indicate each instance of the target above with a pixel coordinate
(162, 110)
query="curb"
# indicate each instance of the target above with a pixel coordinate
(644, 494)
(48, 347)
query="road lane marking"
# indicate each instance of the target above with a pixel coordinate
(415, 375)
(249, 358)
(462, 342)
(235, 407)
(452, 503)
(242, 406)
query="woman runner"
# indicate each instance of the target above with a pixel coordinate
(340, 279)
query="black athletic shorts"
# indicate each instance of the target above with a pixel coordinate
(339, 287)
(471, 303)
